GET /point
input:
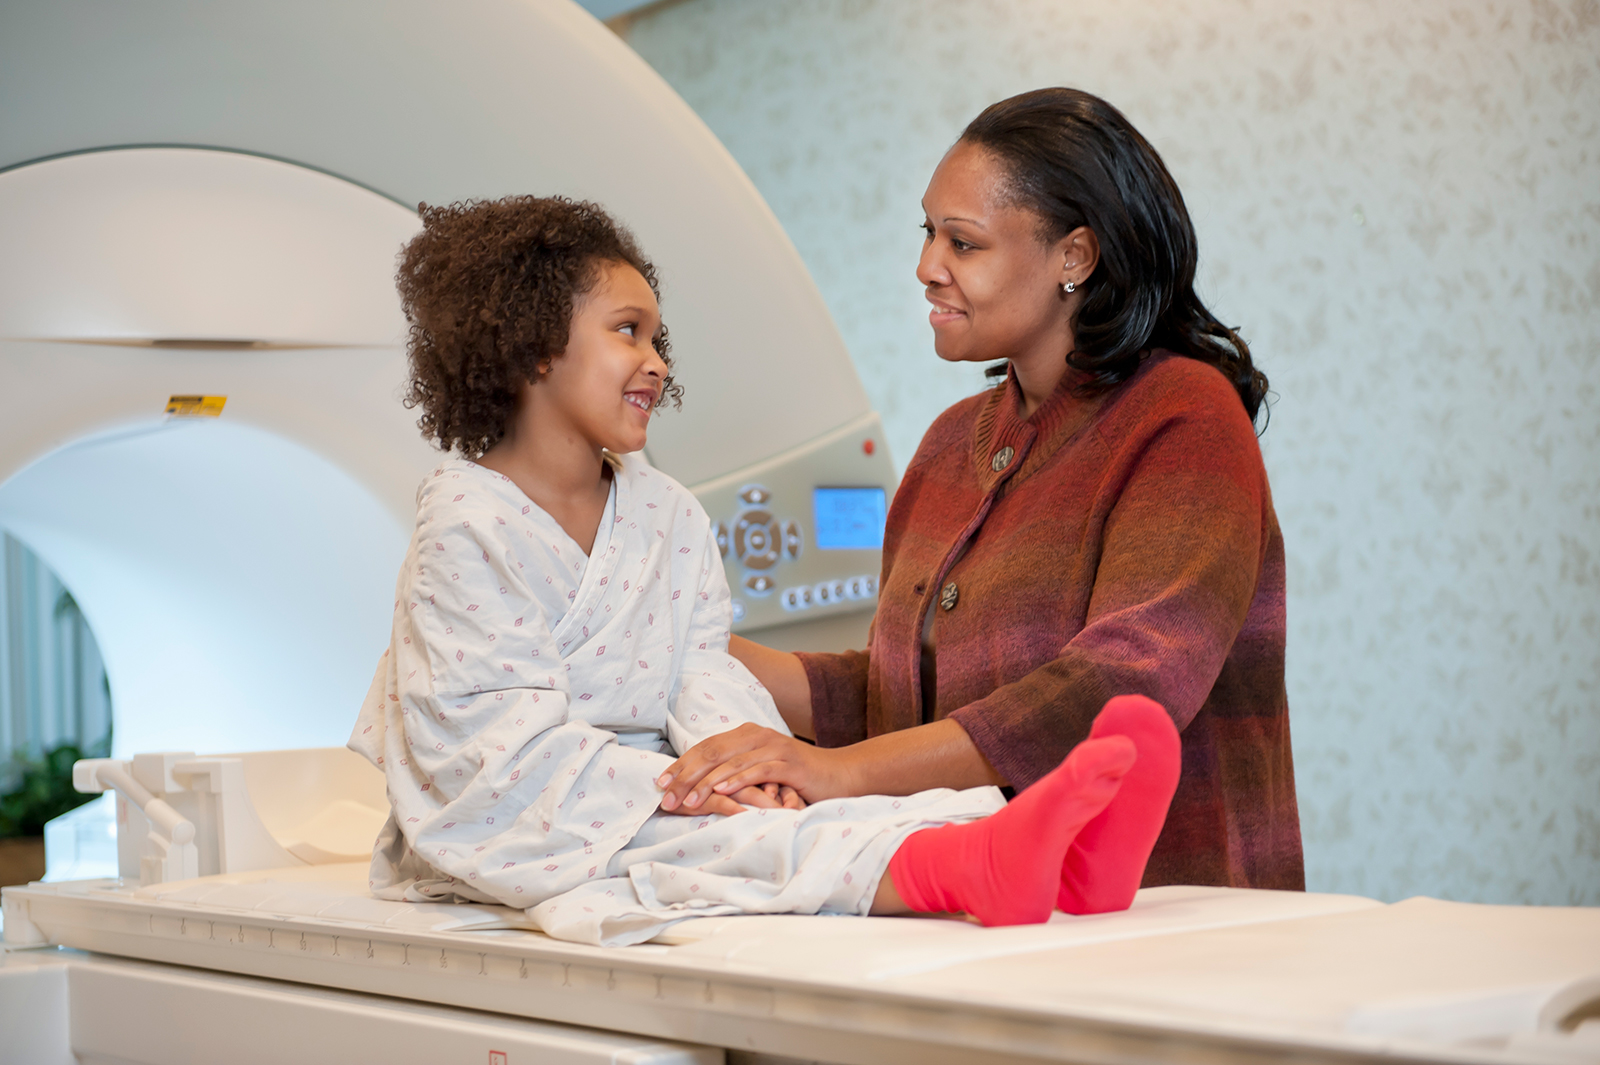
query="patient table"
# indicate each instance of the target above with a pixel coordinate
(295, 961)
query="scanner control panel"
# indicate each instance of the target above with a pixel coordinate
(802, 534)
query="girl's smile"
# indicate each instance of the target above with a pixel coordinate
(596, 396)
(605, 385)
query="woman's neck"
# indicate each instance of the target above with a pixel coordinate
(1040, 370)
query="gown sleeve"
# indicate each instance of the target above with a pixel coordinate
(713, 691)
(493, 786)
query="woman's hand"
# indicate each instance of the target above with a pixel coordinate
(750, 756)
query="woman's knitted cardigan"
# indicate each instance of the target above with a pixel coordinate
(1119, 544)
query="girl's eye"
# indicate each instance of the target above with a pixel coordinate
(628, 329)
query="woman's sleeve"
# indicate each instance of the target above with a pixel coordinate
(838, 695)
(713, 691)
(1181, 554)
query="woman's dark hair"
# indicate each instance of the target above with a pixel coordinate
(489, 287)
(1075, 160)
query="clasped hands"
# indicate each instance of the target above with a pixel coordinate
(752, 766)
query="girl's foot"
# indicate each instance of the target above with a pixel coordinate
(1105, 861)
(1007, 868)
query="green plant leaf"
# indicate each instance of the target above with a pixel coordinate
(44, 790)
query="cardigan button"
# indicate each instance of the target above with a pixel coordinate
(948, 596)
(1002, 459)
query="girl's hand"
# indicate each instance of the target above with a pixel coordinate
(748, 756)
(787, 797)
(768, 798)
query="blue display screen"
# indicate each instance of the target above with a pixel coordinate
(849, 517)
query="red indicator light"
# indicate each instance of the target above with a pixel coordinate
(868, 447)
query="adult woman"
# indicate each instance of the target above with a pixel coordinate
(1099, 523)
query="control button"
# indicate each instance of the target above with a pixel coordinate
(796, 598)
(757, 539)
(738, 610)
(722, 538)
(791, 539)
(759, 583)
(1002, 459)
(755, 495)
(948, 596)
(830, 592)
(863, 587)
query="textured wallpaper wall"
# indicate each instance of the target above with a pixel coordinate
(1399, 204)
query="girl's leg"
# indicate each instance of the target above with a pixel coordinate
(1106, 861)
(1007, 868)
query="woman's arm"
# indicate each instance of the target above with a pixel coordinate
(903, 763)
(1180, 562)
(937, 755)
(784, 678)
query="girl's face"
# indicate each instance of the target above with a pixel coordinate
(606, 384)
(994, 285)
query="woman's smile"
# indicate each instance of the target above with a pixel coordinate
(991, 275)
(943, 313)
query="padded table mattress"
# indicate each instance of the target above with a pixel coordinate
(1187, 975)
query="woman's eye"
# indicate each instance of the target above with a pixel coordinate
(927, 230)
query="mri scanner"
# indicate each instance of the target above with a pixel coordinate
(206, 201)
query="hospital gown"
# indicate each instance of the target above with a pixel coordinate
(532, 694)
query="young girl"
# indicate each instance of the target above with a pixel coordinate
(561, 635)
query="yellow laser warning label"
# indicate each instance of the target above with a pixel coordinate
(195, 406)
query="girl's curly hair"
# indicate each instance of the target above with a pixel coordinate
(489, 287)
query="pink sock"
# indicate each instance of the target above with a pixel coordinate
(1006, 868)
(1105, 861)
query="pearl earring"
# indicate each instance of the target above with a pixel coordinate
(1068, 287)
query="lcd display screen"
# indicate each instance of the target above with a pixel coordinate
(849, 517)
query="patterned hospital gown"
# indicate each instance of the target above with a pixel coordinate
(531, 694)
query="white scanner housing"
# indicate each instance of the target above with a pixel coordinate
(213, 206)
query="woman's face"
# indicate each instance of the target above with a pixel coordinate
(994, 285)
(606, 384)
